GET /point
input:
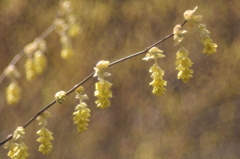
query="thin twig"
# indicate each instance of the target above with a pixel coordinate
(86, 79)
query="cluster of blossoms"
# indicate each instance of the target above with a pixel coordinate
(13, 90)
(36, 61)
(17, 148)
(157, 73)
(102, 87)
(60, 96)
(207, 42)
(45, 135)
(66, 27)
(81, 113)
(183, 62)
(183, 65)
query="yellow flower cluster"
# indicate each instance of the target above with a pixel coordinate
(36, 61)
(19, 133)
(70, 18)
(13, 93)
(45, 135)
(66, 27)
(183, 65)
(194, 20)
(81, 115)
(157, 73)
(103, 93)
(191, 18)
(29, 69)
(209, 46)
(102, 88)
(17, 150)
(60, 97)
(158, 83)
(45, 140)
(178, 34)
(40, 62)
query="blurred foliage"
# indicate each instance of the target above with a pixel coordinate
(197, 120)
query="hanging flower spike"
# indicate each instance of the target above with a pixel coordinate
(157, 73)
(158, 83)
(60, 96)
(42, 118)
(45, 140)
(183, 65)
(30, 69)
(66, 27)
(191, 18)
(45, 135)
(40, 61)
(209, 46)
(18, 151)
(81, 113)
(13, 93)
(102, 87)
(178, 34)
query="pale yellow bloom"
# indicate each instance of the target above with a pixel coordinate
(183, 65)
(209, 46)
(178, 34)
(103, 93)
(102, 64)
(18, 151)
(13, 93)
(191, 18)
(60, 96)
(81, 117)
(45, 140)
(154, 53)
(19, 133)
(102, 88)
(40, 62)
(30, 69)
(158, 83)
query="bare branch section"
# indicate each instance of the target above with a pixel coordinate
(46, 33)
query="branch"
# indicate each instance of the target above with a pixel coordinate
(87, 78)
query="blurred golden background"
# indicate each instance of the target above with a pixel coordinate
(197, 120)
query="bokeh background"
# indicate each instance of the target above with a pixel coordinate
(197, 120)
